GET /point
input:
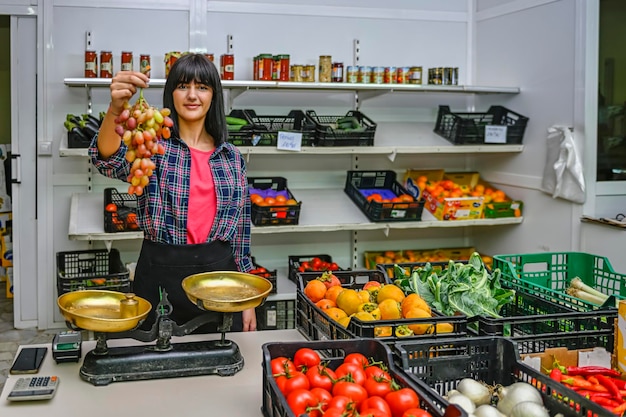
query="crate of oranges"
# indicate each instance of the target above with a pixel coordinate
(361, 304)
(272, 202)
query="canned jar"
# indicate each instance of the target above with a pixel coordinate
(352, 74)
(144, 64)
(127, 61)
(210, 57)
(364, 75)
(402, 75)
(227, 66)
(106, 64)
(308, 74)
(377, 75)
(337, 72)
(389, 76)
(296, 73)
(91, 64)
(325, 69)
(170, 58)
(415, 75)
(281, 68)
(265, 68)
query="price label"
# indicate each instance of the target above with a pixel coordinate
(289, 141)
(495, 134)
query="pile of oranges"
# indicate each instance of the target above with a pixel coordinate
(374, 301)
(449, 189)
(402, 198)
(278, 200)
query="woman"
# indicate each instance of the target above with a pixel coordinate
(195, 211)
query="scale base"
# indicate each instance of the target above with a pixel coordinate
(131, 363)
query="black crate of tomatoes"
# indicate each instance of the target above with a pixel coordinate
(310, 263)
(359, 303)
(272, 202)
(343, 378)
(93, 269)
(120, 211)
(263, 272)
(381, 198)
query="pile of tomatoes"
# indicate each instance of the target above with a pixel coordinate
(316, 264)
(357, 387)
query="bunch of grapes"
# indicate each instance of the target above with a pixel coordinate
(141, 126)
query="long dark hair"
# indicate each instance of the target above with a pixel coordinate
(197, 67)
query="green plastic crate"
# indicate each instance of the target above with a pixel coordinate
(548, 275)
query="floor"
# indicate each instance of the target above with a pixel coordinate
(11, 339)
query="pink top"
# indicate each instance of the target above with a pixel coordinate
(202, 198)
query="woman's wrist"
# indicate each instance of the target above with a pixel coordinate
(113, 112)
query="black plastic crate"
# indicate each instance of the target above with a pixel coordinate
(275, 214)
(124, 217)
(263, 130)
(95, 269)
(469, 128)
(359, 183)
(333, 352)
(295, 261)
(276, 315)
(441, 364)
(270, 275)
(329, 133)
(315, 324)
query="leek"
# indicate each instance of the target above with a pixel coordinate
(578, 284)
(585, 296)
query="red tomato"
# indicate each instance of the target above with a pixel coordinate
(335, 412)
(306, 265)
(416, 412)
(339, 401)
(321, 376)
(351, 390)
(351, 369)
(376, 402)
(373, 412)
(280, 381)
(299, 400)
(323, 397)
(377, 371)
(306, 358)
(111, 207)
(297, 380)
(316, 263)
(281, 365)
(377, 386)
(358, 358)
(401, 400)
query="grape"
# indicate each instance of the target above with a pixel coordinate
(141, 127)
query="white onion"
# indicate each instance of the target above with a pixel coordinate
(462, 401)
(529, 409)
(475, 391)
(486, 410)
(516, 393)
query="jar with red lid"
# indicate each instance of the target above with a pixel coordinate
(255, 68)
(127, 61)
(227, 66)
(337, 72)
(266, 67)
(91, 64)
(210, 56)
(281, 68)
(106, 64)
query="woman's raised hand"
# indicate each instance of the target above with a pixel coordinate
(123, 86)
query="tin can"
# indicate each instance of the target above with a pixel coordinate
(227, 66)
(129, 307)
(415, 75)
(436, 76)
(91, 64)
(296, 73)
(144, 64)
(389, 76)
(281, 68)
(364, 75)
(210, 56)
(127, 61)
(620, 336)
(378, 74)
(455, 76)
(170, 58)
(106, 64)
(266, 66)
(352, 74)
(308, 73)
(325, 69)
(337, 72)
(402, 75)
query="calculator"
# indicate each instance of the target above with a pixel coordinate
(34, 388)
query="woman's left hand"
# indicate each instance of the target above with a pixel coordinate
(249, 320)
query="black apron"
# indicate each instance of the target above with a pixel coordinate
(165, 266)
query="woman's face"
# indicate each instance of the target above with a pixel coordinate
(192, 101)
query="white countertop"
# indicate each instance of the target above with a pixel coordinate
(232, 396)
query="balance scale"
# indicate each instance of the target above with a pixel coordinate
(99, 311)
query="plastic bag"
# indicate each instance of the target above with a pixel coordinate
(563, 174)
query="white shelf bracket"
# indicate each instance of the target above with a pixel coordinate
(108, 244)
(386, 230)
(229, 44)
(392, 155)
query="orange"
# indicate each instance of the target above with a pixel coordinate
(325, 303)
(281, 199)
(389, 309)
(270, 201)
(333, 292)
(375, 197)
(315, 290)
(335, 313)
(348, 300)
(413, 300)
(418, 313)
(390, 291)
(255, 198)
(382, 331)
(291, 202)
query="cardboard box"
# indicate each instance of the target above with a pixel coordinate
(6, 250)
(579, 357)
(456, 208)
(411, 179)
(9, 282)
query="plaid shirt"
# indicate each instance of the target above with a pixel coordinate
(163, 207)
